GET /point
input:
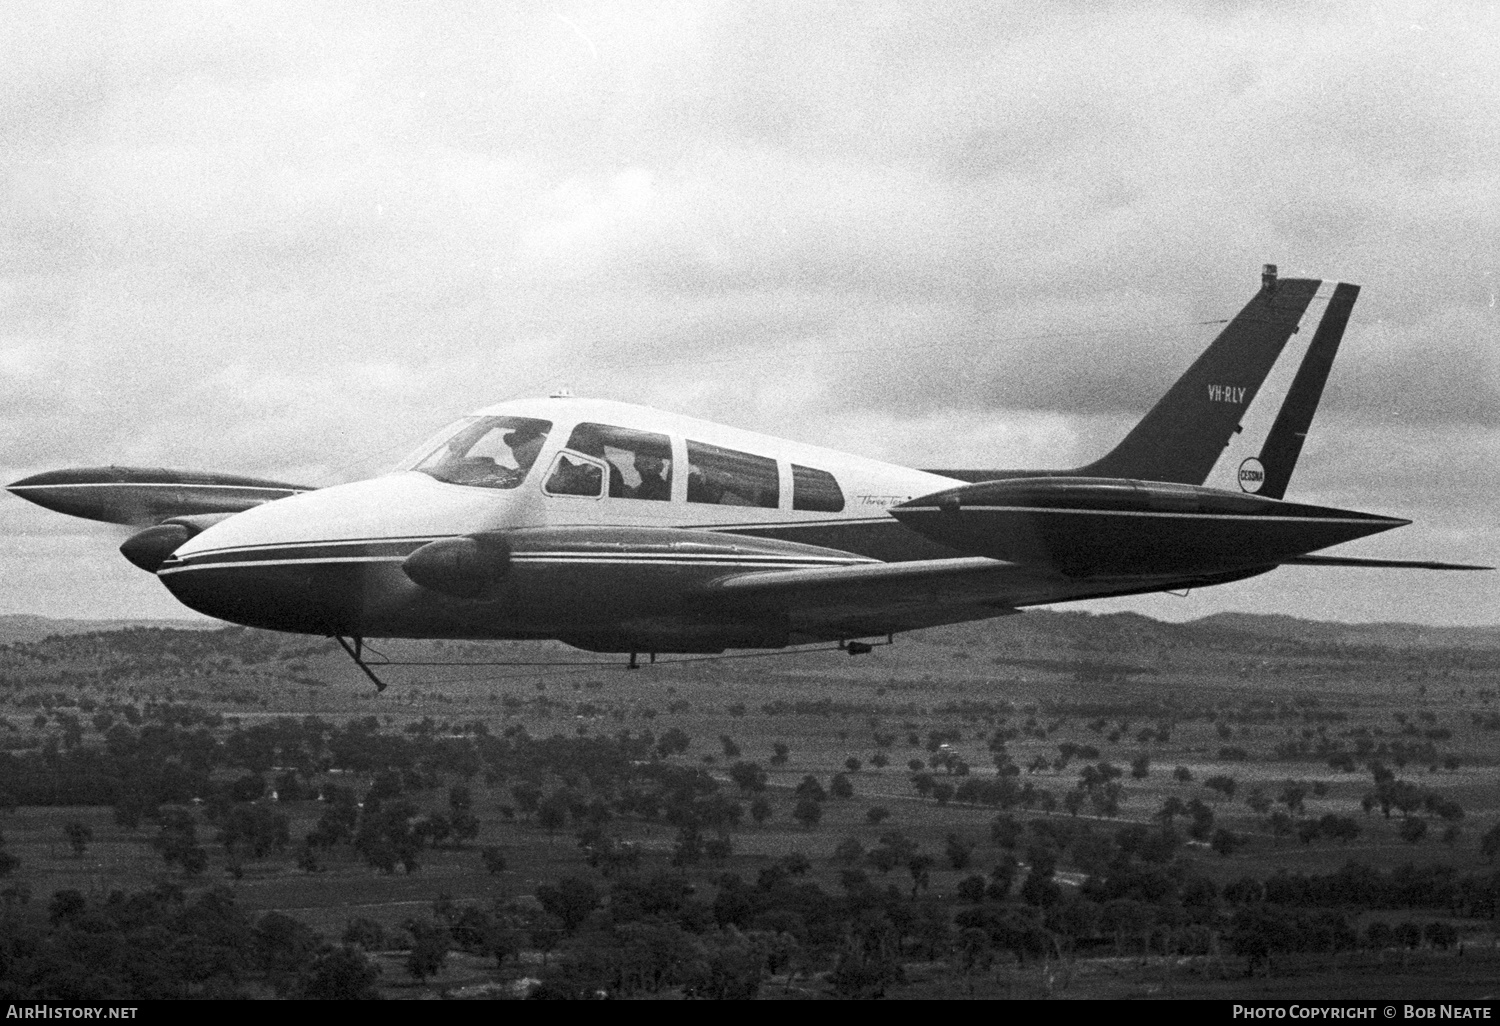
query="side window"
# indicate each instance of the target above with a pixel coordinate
(573, 474)
(639, 462)
(728, 478)
(815, 491)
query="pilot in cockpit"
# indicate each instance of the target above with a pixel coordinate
(525, 445)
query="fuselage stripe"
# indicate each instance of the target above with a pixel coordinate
(558, 558)
(1259, 517)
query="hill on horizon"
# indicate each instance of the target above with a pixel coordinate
(26, 627)
(1085, 630)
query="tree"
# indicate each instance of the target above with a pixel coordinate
(364, 933)
(571, 900)
(66, 906)
(341, 974)
(1171, 809)
(494, 860)
(849, 851)
(307, 858)
(1006, 831)
(1223, 784)
(959, 851)
(528, 797)
(1440, 935)
(673, 742)
(810, 788)
(1140, 766)
(552, 814)
(1489, 844)
(1413, 829)
(971, 889)
(283, 947)
(1225, 842)
(760, 810)
(808, 812)
(840, 787)
(877, 814)
(1340, 828)
(1293, 793)
(1182, 775)
(748, 777)
(781, 752)
(919, 867)
(78, 836)
(429, 948)
(256, 829)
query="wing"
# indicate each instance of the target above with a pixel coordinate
(1399, 564)
(836, 603)
(140, 496)
(863, 600)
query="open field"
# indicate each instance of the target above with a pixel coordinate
(1007, 720)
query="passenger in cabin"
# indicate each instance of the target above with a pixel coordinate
(588, 440)
(653, 484)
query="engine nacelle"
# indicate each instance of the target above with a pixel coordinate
(465, 568)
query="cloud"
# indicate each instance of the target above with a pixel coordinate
(285, 239)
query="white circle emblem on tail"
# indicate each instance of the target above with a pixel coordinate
(1252, 475)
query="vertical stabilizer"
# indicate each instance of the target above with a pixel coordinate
(1184, 434)
(1278, 457)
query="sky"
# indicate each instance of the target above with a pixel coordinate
(292, 239)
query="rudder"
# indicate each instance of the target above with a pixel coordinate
(1278, 456)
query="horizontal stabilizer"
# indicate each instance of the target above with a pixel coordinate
(1091, 527)
(1406, 564)
(144, 496)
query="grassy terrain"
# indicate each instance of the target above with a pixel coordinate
(1261, 700)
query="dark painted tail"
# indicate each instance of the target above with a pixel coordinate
(1187, 430)
(1184, 434)
(1278, 457)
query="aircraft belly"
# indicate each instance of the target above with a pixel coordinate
(604, 588)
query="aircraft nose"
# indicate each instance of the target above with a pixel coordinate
(330, 561)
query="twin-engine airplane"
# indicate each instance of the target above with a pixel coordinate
(620, 528)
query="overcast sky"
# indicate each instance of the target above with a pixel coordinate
(292, 239)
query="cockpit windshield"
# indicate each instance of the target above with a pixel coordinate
(486, 452)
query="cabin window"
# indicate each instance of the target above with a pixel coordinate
(815, 491)
(485, 452)
(640, 462)
(725, 477)
(575, 474)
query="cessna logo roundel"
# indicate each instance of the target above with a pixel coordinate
(1252, 475)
